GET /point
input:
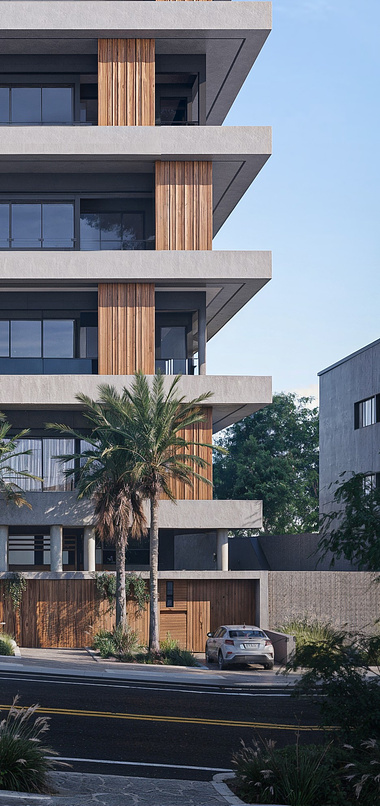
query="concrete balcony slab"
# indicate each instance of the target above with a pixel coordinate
(237, 152)
(233, 397)
(230, 279)
(230, 34)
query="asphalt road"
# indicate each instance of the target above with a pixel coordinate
(158, 730)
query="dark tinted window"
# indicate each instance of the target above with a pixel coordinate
(25, 339)
(4, 339)
(36, 105)
(57, 226)
(173, 110)
(26, 226)
(4, 105)
(4, 226)
(25, 105)
(247, 634)
(37, 226)
(57, 105)
(58, 338)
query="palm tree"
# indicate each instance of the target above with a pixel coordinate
(161, 454)
(136, 449)
(102, 472)
(10, 491)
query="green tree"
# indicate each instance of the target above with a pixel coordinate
(10, 491)
(136, 450)
(161, 453)
(352, 528)
(273, 456)
(103, 473)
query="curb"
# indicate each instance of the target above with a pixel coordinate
(224, 790)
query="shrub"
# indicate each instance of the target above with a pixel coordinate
(173, 655)
(296, 775)
(307, 631)
(363, 772)
(6, 644)
(121, 642)
(24, 759)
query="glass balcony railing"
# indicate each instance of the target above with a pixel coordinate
(176, 366)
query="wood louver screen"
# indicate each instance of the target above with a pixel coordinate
(184, 205)
(126, 314)
(126, 82)
(199, 432)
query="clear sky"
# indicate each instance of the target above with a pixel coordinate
(315, 203)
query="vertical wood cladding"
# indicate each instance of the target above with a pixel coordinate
(199, 432)
(126, 82)
(184, 205)
(126, 328)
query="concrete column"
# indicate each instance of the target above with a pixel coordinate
(202, 336)
(56, 533)
(222, 550)
(3, 548)
(89, 548)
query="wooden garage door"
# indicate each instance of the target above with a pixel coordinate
(174, 622)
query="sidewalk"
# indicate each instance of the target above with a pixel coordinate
(80, 662)
(82, 789)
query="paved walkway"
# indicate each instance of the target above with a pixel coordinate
(80, 789)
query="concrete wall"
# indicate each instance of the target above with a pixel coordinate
(342, 447)
(339, 597)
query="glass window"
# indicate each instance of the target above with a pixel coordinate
(110, 230)
(32, 463)
(4, 226)
(25, 339)
(57, 105)
(4, 105)
(133, 230)
(58, 337)
(57, 226)
(53, 470)
(4, 339)
(173, 110)
(89, 231)
(26, 105)
(26, 226)
(173, 342)
(366, 412)
(21, 550)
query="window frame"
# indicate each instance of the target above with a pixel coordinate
(41, 80)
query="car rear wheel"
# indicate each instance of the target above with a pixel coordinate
(221, 664)
(268, 666)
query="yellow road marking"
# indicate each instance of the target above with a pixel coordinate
(176, 719)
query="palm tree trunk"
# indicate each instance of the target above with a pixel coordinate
(154, 643)
(121, 605)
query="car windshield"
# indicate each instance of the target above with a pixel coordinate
(246, 634)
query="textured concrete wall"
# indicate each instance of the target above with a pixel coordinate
(339, 597)
(342, 447)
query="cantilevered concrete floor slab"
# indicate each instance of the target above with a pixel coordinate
(238, 153)
(233, 396)
(230, 34)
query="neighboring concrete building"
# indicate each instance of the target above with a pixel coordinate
(115, 174)
(349, 420)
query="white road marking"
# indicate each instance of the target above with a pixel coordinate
(65, 682)
(142, 764)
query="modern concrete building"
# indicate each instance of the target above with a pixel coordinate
(349, 395)
(115, 173)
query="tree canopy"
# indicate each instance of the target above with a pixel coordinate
(352, 528)
(273, 456)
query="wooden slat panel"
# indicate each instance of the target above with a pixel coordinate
(126, 82)
(184, 204)
(126, 313)
(199, 432)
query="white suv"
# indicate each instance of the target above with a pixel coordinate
(239, 644)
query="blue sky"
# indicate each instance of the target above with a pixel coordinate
(315, 203)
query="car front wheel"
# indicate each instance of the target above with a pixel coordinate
(221, 664)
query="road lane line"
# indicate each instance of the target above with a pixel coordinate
(148, 688)
(166, 718)
(142, 764)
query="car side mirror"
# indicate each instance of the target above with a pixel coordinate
(210, 635)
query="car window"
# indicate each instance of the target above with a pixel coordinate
(222, 632)
(247, 634)
(217, 633)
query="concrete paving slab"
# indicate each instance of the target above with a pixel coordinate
(83, 789)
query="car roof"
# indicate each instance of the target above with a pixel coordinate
(240, 627)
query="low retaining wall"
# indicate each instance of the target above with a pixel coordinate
(283, 645)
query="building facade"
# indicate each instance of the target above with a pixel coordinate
(349, 395)
(115, 173)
